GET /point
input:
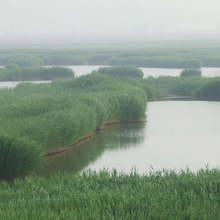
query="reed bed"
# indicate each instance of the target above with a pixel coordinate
(34, 73)
(210, 90)
(57, 115)
(110, 195)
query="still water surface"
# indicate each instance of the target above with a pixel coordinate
(176, 135)
(155, 72)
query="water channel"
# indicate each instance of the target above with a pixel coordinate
(176, 135)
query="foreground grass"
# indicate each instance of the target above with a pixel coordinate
(110, 195)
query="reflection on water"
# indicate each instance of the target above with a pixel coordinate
(115, 137)
(177, 135)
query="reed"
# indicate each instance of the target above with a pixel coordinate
(37, 73)
(18, 157)
(57, 115)
(112, 195)
(210, 90)
(191, 73)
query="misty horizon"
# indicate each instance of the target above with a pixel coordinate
(74, 38)
(99, 21)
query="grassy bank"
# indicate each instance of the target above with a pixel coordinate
(57, 115)
(110, 195)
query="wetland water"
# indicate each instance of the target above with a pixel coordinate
(176, 135)
(155, 72)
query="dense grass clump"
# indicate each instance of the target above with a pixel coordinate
(11, 66)
(37, 73)
(25, 60)
(111, 195)
(210, 90)
(18, 156)
(168, 85)
(191, 73)
(57, 115)
(125, 71)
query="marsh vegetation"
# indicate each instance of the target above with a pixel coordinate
(165, 55)
(37, 119)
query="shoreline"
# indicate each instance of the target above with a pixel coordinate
(57, 151)
(183, 98)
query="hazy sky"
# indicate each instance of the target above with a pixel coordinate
(115, 16)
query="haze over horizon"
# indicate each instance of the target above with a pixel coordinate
(86, 21)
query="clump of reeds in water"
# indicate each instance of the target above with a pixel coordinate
(57, 115)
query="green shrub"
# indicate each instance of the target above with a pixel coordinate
(210, 90)
(18, 157)
(26, 60)
(38, 73)
(11, 66)
(191, 73)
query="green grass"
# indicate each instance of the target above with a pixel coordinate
(57, 115)
(111, 195)
(210, 90)
(18, 157)
(191, 73)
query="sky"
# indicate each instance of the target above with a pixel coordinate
(108, 17)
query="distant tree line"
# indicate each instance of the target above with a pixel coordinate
(12, 72)
(116, 55)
